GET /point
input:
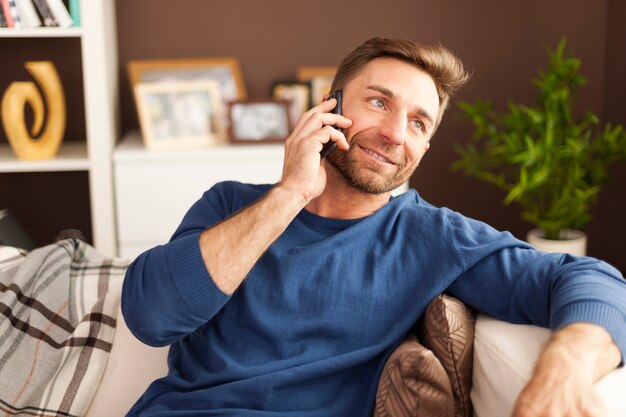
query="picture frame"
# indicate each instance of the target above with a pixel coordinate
(180, 115)
(225, 70)
(297, 93)
(258, 121)
(321, 79)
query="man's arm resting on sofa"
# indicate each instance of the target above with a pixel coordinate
(574, 358)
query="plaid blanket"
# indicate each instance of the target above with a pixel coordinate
(58, 309)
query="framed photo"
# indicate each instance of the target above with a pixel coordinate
(258, 121)
(321, 79)
(226, 71)
(298, 94)
(178, 115)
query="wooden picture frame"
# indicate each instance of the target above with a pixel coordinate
(258, 121)
(321, 79)
(225, 70)
(180, 115)
(297, 93)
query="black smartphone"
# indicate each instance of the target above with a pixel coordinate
(330, 145)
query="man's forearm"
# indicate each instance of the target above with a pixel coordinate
(574, 358)
(231, 248)
(587, 345)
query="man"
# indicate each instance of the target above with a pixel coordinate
(287, 299)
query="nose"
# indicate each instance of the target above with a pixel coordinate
(394, 128)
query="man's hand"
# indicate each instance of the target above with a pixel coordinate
(302, 171)
(563, 380)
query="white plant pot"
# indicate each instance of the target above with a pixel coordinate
(573, 242)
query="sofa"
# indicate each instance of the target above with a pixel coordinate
(503, 357)
(66, 350)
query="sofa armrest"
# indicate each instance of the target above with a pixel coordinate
(504, 357)
(131, 367)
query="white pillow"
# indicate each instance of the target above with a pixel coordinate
(504, 357)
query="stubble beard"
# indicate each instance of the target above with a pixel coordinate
(367, 178)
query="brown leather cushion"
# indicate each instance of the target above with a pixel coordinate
(413, 383)
(447, 329)
(432, 378)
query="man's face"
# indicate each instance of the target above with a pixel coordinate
(393, 106)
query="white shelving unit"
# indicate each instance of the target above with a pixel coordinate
(99, 66)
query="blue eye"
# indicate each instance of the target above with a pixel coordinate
(418, 124)
(378, 103)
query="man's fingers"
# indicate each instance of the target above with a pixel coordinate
(324, 135)
(323, 107)
(318, 117)
(337, 137)
(318, 120)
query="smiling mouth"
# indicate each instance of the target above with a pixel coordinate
(376, 156)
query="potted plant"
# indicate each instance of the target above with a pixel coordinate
(549, 162)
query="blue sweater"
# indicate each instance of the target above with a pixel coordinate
(309, 330)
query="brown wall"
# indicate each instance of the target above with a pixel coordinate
(609, 225)
(501, 42)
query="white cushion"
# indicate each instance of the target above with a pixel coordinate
(504, 357)
(131, 367)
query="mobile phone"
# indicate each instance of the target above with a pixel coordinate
(330, 145)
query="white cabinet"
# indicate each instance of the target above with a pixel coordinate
(154, 189)
(93, 155)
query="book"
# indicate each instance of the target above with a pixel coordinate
(3, 20)
(12, 233)
(17, 21)
(45, 13)
(28, 13)
(20, 13)
(60, 13)
(75, 11)
(7, 12)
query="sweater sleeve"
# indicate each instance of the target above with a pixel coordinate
(168, 292)
(510, 280)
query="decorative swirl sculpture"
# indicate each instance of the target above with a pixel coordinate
(35, 144)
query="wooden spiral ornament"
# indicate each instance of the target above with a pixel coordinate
(35, 144)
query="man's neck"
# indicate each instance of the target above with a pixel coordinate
(340, 200)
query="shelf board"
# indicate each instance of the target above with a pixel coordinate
(71, 157)
(42, 32)
(131, 150)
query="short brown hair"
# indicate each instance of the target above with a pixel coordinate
(445, 68)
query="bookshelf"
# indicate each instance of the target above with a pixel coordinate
(98, 48)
